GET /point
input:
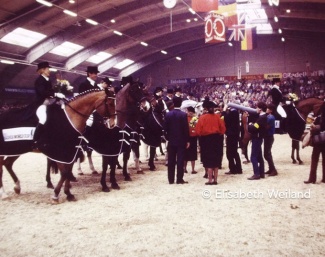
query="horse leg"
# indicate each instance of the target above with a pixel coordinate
(91, 164)
(105, 162)
(8, 163)
(293, 148)
(50, 165)
(152, 155)
(136, 152)
(2, 190)
(298, 156)
(66, 174)
(112, 177)
(126, 157)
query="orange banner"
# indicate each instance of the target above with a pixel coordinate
(205, 5)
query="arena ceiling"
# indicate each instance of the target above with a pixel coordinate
(146, 21)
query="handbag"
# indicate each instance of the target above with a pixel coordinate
(319, 138)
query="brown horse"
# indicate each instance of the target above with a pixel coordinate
(77, 111)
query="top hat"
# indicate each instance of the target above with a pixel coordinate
(209, 104)
(276, 80)
(43, 65)
(178, 89)
(190, 109)
(92, 69)
(158, 89)
(177, 101)
(126, 80)
(170, 91)
(107, 81)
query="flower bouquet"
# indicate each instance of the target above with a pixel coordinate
(63, 86)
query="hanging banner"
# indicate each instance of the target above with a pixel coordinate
(247, 67)
(205, 5)
(250, 38)
(239, 73)
(215, 29)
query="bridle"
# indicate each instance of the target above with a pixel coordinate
(107, 114)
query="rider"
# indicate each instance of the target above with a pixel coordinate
(277, 98)
(44, 96)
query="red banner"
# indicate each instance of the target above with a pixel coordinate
(215, 29)
(204, 5)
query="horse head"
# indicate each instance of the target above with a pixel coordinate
(127, 103)
(82, 106)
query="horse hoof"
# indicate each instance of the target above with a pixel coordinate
(301, 162)
(294, 162)
(140, 172)
(95, 172)
(4, 196)
(17, 190)
(105, 189)
(50, 186)
(127, 178)
(71, 198)
(115, 186)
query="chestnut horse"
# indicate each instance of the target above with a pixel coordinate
(77, 110)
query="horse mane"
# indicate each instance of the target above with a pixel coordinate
(84, 94)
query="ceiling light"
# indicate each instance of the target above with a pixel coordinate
(283, 39)
(23, 37)
(117, 33)
(196, 19)
(178, 58)
(280, 31)
(163, 52)
(191, 10)
(188, 20)
(229, 44)
(92, 22)
(123, 64)
(72, 1)
(288, 11)
(45, 3)
(144, 43)
(7, 62)
(66, 49)
(113, 21)
(53, 69)
(276, 19)
(99, 57)
(73, 14)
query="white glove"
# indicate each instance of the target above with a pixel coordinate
(59, 95)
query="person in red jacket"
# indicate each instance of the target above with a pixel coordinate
(210, 128)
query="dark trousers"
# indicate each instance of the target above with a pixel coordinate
(268, 143)
(232, 154)
(175, 158)
(317, 150)
(257, 157)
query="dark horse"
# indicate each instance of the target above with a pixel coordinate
(62, 144)
(295, 123)
(123, 138)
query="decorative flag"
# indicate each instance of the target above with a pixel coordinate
(230, 13)
(249, 41)
(215, 29)
(238, 29)
(204, 5)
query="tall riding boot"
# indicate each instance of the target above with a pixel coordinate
(39, 131)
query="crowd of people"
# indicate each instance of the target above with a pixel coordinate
(219, 125)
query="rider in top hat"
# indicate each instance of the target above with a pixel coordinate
(277, 98)
(44, 96)
(90, 82)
